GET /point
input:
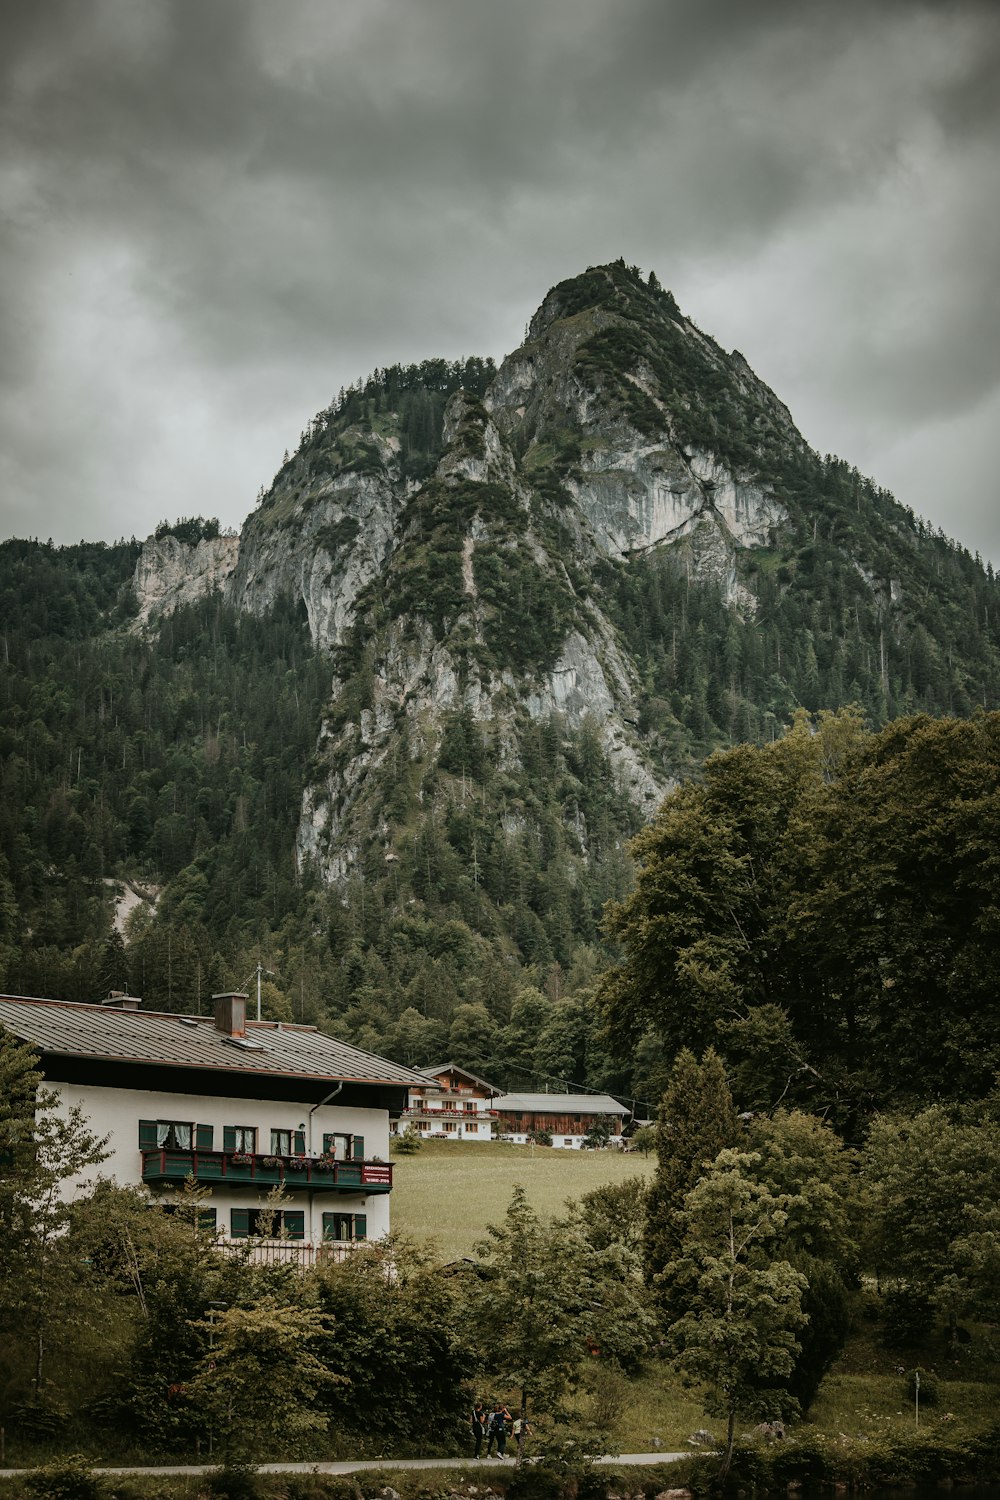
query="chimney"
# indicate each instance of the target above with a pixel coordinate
(121, 1000)
(231, 1013)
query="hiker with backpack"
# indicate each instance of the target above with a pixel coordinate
(497, 1432)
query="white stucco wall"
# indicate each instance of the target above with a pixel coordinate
(562, 1142)
(116, 1113)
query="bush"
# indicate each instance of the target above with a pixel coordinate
(928, 1386)
(234, 1481)
(69, 1478)
(541, 1481)
(319, 1487)
(409, 1142)
(609, 1391)
(801, 1460)
(39, 1419)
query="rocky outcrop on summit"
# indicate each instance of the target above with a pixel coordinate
(635, 489)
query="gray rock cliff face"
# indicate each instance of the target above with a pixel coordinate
(326, 537)
(634, 493)
(417, 680)
(170, 573)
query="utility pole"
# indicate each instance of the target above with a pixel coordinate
(260, 971)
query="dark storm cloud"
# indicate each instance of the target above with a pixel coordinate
(216, 213)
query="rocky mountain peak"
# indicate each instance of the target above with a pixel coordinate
(608, 535)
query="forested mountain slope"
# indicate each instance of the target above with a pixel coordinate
(394, 741)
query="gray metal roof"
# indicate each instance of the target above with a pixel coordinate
(65, 1029)
(560, 1104)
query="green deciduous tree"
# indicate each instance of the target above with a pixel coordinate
(260, 1377)
(801, 1158)
(823, 909)
(932, 1184)
(737, 1337)
(394, 1343)
(43, 1147)
(545, 1300)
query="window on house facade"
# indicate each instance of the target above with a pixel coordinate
(470, 1107)
(288, 1142)
(346, 1147)
(423, 1124)
(175, 1135)
(345, 1227)
(568, 1140)
(287, 1223)
(206, 1216)
(239, 1138)
(472, 1129)
(449, 1127)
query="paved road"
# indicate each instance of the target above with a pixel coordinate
(356, 1465)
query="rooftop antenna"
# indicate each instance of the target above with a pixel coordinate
(259, 971)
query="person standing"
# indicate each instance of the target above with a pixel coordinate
(498, 1430)
(478, 1429)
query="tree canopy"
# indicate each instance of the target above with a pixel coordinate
(828, 904)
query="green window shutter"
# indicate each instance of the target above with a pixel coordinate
(360, 1226)
(239, 1223)
(229, 1137)
(204, 1135)
(293, 1221)
(206, 1220)
(300, 1143)
(328, 1226)
(359, 1148)
(147, 1133)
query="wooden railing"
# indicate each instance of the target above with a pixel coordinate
(243, 1169)
(450, 1114)
(290, 1252)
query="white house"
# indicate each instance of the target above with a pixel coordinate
(453, 1103)
(567, 1118)
(238, 1106)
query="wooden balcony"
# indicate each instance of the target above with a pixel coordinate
(305, 1174)
(439, 1112)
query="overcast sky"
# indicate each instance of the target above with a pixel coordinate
(217, 212)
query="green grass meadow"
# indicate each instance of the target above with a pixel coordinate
(445, 1194)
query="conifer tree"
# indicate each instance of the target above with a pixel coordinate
(697, 1120)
